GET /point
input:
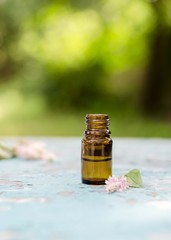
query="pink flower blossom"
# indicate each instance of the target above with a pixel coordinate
(32, 150)
(117, 184)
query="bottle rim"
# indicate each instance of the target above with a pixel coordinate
(98, 116)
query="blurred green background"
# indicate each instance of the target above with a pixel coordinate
(62, 59)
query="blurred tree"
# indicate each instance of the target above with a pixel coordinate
(157, 89)
(12, 15)
(69, 51)
(77, 88)
(80, 46)
(8, 34)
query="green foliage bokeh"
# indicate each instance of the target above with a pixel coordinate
(68, 52)
(60, 59)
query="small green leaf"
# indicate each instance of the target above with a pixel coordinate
(134, 178)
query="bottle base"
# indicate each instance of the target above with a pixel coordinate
(94, 181)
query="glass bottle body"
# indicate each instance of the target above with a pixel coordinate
(96, 151)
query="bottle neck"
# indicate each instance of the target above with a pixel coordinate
(97, 126)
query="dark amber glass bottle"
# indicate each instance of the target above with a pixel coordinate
(96, 150)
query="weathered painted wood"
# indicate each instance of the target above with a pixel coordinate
(46, 200)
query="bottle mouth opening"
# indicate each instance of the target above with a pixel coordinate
(97, 117)
(97, 121)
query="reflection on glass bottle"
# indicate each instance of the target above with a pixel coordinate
(96, 150)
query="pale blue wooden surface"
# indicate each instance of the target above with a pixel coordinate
(46, 200)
